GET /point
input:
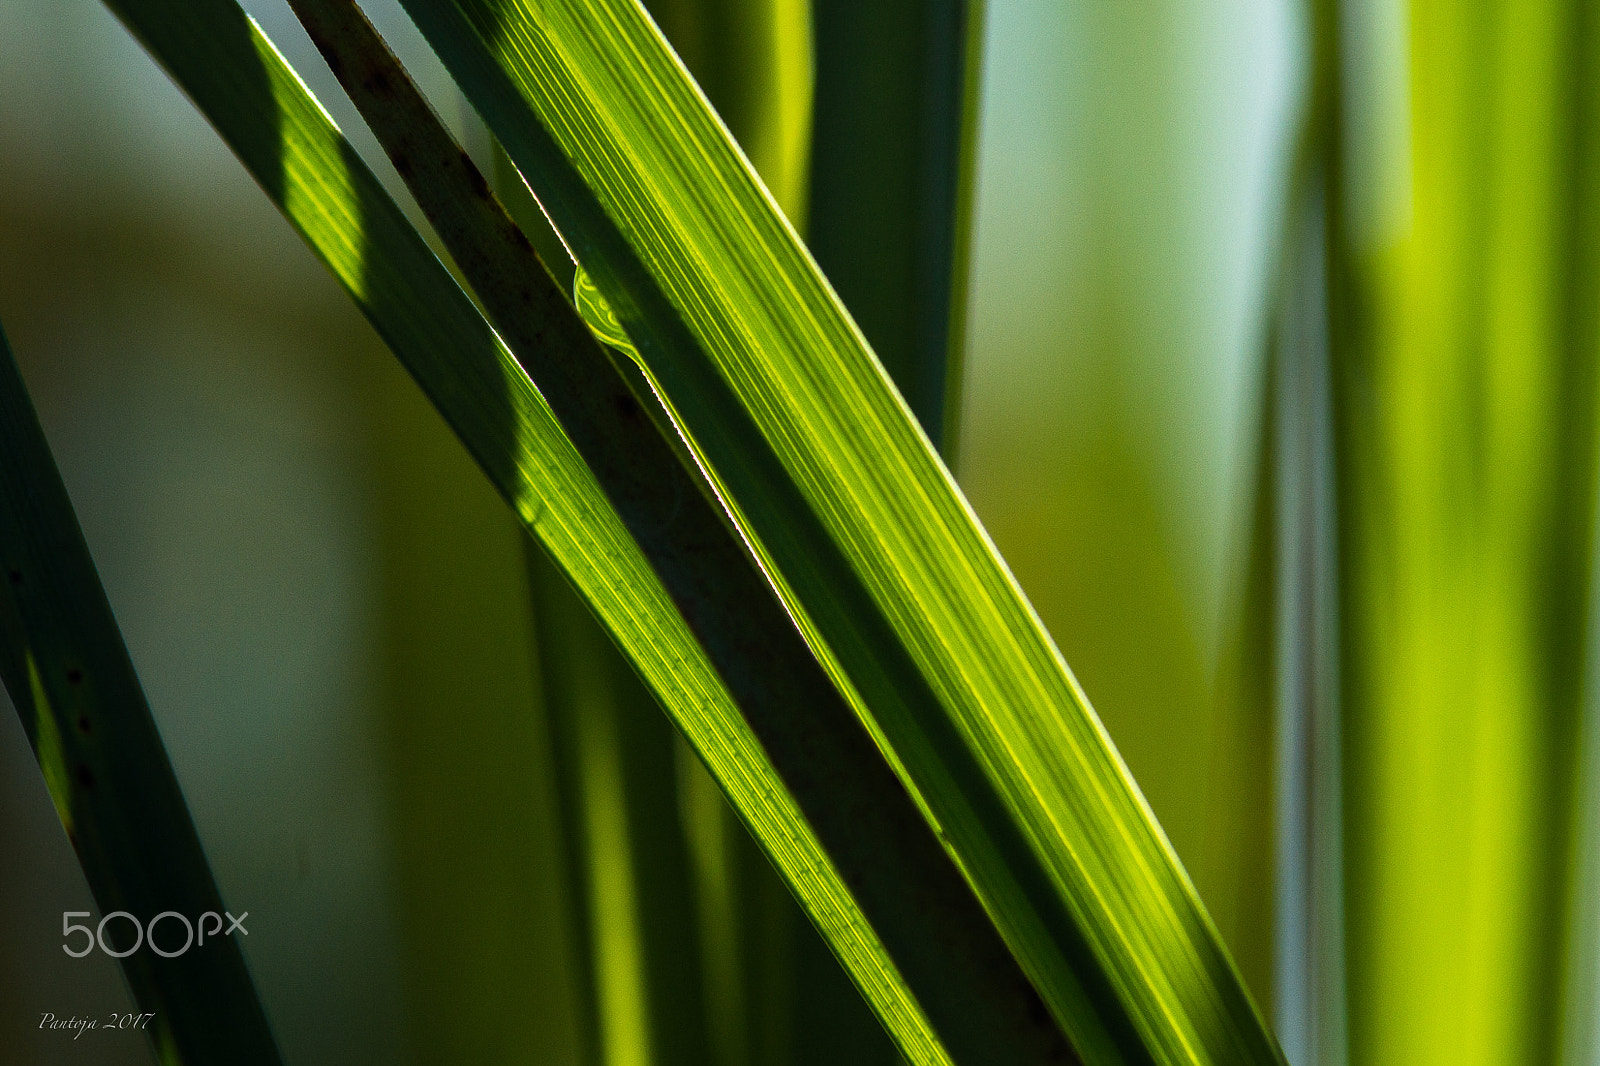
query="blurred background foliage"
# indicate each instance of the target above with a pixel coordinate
(1276, 390)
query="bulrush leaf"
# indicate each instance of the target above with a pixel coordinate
(68, 673)
(951, 965)
(872, 547)
(706, 634)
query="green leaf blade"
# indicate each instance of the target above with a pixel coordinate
(776, 386)
(840, 872)
(64, 663)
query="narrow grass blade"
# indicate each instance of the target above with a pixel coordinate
(892, 138)
(70, 678)
(831, 816)
(1310, 957)
(872, 546)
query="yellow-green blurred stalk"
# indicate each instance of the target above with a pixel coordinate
(1465, 380)
(485, 935)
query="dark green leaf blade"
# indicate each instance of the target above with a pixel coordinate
(888, 212)
(69, 675)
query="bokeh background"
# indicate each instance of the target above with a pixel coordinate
(1333, 660)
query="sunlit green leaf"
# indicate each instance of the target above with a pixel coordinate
(903, 889)
(874, 549)
(952, 970)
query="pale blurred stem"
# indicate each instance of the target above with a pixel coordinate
(1246, 683)
(1334, 1024)
(1276, 684)
(1260, 719)
(1322, 163)
(1308, 846)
